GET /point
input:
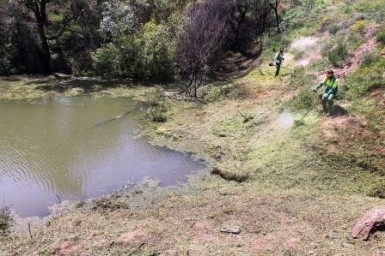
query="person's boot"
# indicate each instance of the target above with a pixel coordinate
(330, 108)
(324, 107)
(277, 70)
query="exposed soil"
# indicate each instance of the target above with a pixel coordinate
(356, 56)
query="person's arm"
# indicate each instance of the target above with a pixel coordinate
(276, 56)
(321, 84)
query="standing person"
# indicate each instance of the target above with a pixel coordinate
(331, 90)
(278, 59)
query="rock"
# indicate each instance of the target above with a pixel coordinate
(62, 76)
(231, 229)
(368, 223)
(77, 223)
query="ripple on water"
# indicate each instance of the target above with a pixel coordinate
(50, 149)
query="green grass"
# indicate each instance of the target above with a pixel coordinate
(304, 100)
(366, 79)
(301, 78)
(282, 163)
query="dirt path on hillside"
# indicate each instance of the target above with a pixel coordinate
(356, 55)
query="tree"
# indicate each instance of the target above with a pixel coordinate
(276, 7)
(248, 20)
(118, 19)
(205, 33)
(71, 10)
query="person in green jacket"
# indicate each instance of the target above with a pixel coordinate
(278, 59)
(331, 90)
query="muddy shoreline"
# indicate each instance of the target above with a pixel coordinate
(30, 88)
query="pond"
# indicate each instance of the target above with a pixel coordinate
(76, 148)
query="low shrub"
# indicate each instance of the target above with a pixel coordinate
(158, 112)
(5, 220)
(359, 26)
(366, 79)
(304, 100)
(369, 58)
(300, 79)
(338, 55)
(381, 35)
(334, 28)
(107, 61)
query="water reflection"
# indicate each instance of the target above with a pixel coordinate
(55, 148)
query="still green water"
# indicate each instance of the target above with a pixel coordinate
(75, 148)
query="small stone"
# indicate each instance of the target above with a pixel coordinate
(231, 229)
(77, 223)
(372, 219)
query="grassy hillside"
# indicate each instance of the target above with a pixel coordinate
(294, 180)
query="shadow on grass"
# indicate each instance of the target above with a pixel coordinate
(233, 65)
(339, 111)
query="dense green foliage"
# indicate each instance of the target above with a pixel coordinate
(139, 39)
(143, 56)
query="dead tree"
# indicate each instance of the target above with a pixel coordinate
(205, 32)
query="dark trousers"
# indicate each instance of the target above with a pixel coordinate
(278, 66)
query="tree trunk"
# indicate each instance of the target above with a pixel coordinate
(39, 10)
(46, 54)
(277, 20)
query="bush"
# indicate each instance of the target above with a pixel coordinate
(333, 29)
(369, 58)
(107, 61)
(145, 55)
(149, 54)
(338, 55)
(366, 79)
(159, 52)
(304, 100)
(381, 35)
(359, 26)
(299, 78)
(5, 220)
(354, 39)
(158, 112)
